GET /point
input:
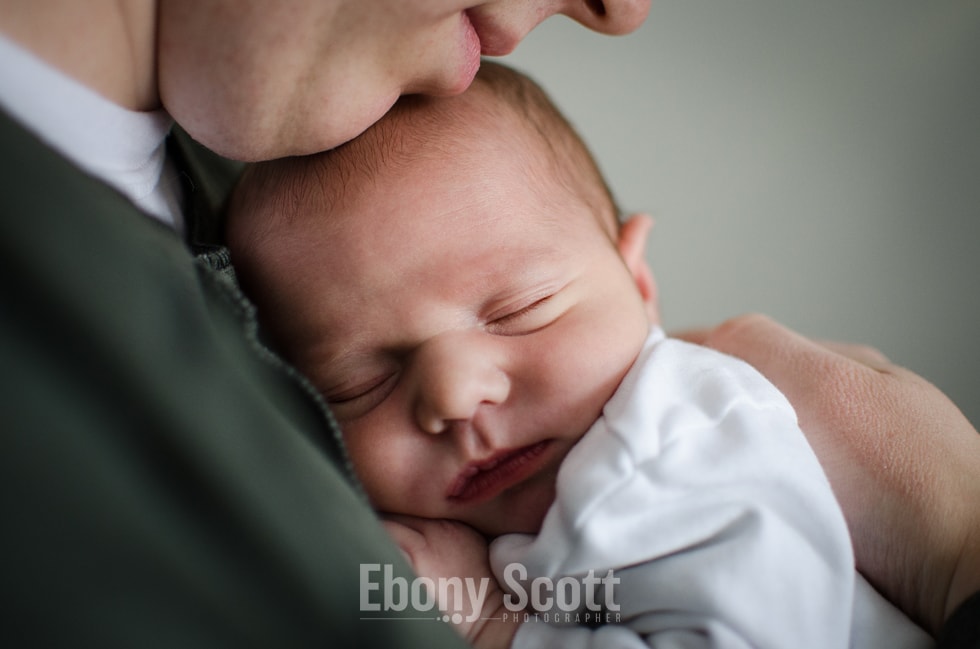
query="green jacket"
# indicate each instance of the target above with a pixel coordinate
(165, 479)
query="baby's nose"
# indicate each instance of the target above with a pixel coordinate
(456, 374)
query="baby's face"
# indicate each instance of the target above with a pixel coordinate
(466, 320)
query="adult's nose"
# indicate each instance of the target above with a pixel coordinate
(614, 17)
(504, 23)
(454, 375)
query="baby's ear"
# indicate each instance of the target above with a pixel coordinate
(632, 244)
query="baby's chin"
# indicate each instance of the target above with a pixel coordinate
(524, 513)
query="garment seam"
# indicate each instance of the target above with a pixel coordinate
(215, 261)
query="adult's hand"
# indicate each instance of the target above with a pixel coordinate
(902, 459)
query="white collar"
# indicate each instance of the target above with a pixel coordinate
(124, 148)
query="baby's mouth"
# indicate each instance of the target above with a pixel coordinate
(483, 479)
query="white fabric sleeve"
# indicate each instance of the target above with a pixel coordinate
(546, 636)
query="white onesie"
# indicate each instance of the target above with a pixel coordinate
(698, 489)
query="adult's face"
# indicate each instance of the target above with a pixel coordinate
(254, 79)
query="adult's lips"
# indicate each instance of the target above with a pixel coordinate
(495, 39)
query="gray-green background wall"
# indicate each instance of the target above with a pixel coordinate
(815, 161)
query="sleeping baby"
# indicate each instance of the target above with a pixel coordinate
(457, 284)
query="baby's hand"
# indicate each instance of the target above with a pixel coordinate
(443, 549)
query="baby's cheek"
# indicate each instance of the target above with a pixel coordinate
(372, 462)
(599, 348)
(392, 472)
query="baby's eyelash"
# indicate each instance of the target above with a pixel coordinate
(522, 311)
(360, 400)
(355, 393)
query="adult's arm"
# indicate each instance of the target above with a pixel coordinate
(903, 461)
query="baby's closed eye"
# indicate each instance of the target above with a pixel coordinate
(525, 317)
(354, 398)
